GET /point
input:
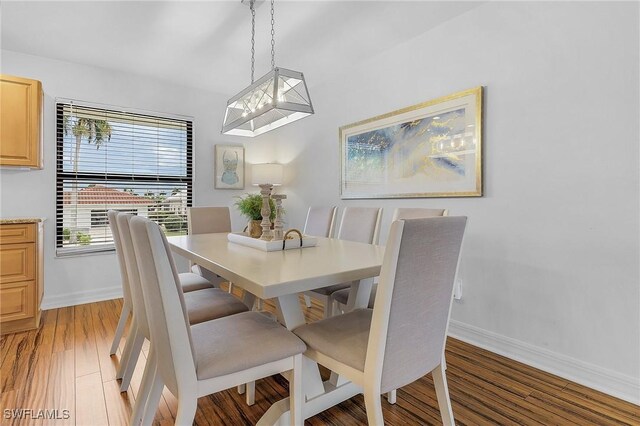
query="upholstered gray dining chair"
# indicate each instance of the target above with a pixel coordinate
(195, 361)
(360, 224)
(202, 305)
(403, 337)
(319, 223)
(190, 282)
(339, 298)
(208, 220)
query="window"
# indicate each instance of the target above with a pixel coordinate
(116, 160)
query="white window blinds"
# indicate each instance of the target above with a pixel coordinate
(114, 160)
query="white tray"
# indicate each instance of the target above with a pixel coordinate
(245, 240)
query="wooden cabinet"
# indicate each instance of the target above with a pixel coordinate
(21, 275)
(20, 122)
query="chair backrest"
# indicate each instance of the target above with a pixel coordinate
(360, 224)
(208, 220)
(320, 221)
(165, 306)
(126, 288)
(417, 213)
(137, 299)
(413, 301)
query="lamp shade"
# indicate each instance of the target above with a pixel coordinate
(267, 173)
(278, 98)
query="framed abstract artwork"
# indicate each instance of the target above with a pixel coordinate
(433, 149)
(229, 167)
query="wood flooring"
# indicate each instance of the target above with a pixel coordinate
(65, 365)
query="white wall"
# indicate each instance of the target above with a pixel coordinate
(32, 193)
(550, 262)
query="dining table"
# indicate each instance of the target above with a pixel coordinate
(281, 276)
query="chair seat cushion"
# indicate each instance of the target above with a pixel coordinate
(238, 342)
(211, 303)
(326, 291)
(192, 282)
(343, 337)
(342, 296)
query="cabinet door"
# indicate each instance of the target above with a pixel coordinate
(17, 301)
(20, 112)
(17, 262)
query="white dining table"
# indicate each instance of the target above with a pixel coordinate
(281, 276)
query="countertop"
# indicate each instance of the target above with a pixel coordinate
(12, 220)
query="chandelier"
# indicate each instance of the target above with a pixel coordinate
(279, 97)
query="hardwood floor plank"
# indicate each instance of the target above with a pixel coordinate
(61, 386)
(485, 388)
(473, 367)
(119, 405)
(35, 385)
(579, 414)
(104, 325)
(5, 342)
(603, 401)
(515, 377)
(501, 363)
(8, 402)
(64, 338)
(85, 342)
(90, 402)
(10, 365)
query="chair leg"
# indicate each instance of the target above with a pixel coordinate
(126, 352)
(391, 397)
(132, 360)
(241, 389)
(124, 316)
(442, 392)
(155, 393)
(186, 410)
(251, 393)
(230, 287)
(307, 300)
(373, 405)
(145, 388)
(296, 395)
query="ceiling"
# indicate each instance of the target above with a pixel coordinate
(206, 44)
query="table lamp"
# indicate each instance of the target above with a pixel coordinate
(266, 176)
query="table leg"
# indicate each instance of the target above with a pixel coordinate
(319, 395)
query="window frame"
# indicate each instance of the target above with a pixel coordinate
(62, 175)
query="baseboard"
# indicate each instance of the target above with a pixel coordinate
(607, 381)
(80, 297)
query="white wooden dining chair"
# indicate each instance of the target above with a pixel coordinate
(194, 361)
(202, 305)
(339, 298)
(360, 224)
(190, 282)
(319, 223)
(208, 220)
(403, 337)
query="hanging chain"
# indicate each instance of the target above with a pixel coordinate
(273, 39)
(253, 38)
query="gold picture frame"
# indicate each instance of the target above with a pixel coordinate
(432, 149)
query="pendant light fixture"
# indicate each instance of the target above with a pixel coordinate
(277, 98)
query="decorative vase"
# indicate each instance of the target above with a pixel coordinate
(254, 228)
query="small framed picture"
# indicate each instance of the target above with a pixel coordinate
(229, 167)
